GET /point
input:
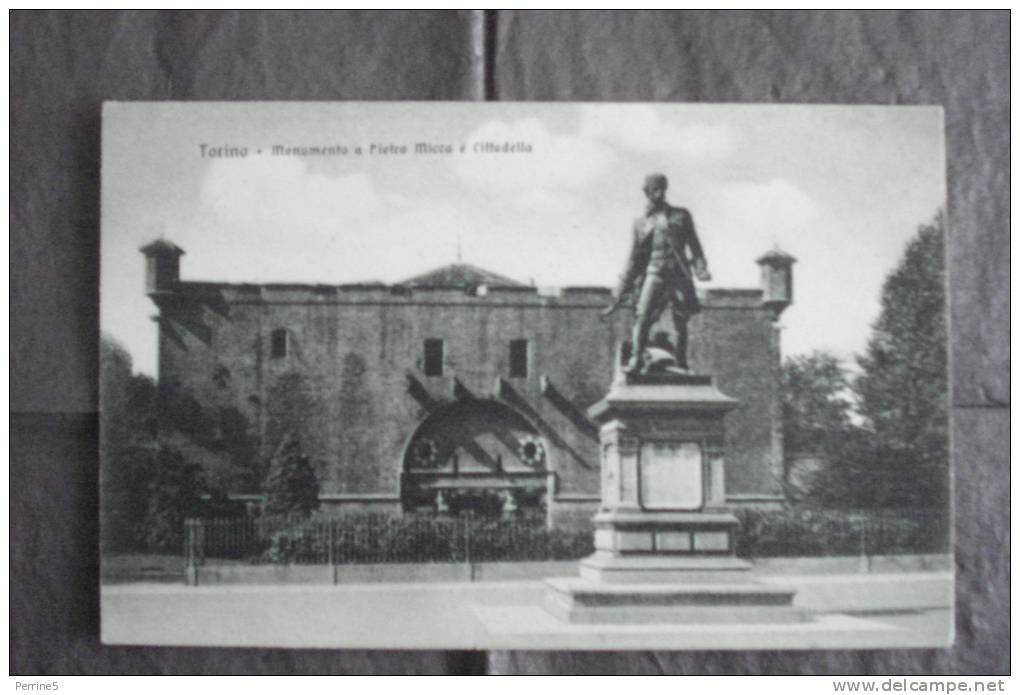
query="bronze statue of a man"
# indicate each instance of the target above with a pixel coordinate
(665, 258)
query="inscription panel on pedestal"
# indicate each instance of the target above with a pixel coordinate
(671, 475)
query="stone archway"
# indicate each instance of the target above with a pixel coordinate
(475, 454)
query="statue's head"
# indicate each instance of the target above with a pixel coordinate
(655, 188)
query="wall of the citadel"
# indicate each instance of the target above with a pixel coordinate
(343, 384)
(736, 340)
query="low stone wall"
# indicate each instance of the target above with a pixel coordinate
(234, 573)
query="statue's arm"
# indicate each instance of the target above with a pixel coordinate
(697, 253)
(628, 276)
(633, 267)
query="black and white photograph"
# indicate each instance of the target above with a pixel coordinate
(559, 376)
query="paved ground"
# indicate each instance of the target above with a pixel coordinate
(487, 615)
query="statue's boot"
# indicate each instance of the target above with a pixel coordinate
(639, 342)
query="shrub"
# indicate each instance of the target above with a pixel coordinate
(378, 538)
(291, 485)
(809, 532)
(297, 546)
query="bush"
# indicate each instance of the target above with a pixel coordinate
(502, 540)
(416, 540)
(815, 533)
(291, 485)
(379, 538)
(298, 546)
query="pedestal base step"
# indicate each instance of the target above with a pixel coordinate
(609, 568)
(578, 600)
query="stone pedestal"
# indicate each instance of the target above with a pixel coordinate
(664, 540)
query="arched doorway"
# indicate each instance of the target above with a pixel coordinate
(477, 455)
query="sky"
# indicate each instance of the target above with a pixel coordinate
(841, 188)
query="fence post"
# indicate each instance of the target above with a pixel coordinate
(332, 542)
(864, 562)
(467, 545)
(191, 551)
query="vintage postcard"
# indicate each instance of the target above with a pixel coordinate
(524, 375)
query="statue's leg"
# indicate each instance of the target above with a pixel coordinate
(646, 314)
(639, 341)
(680, 319)
(680, 323)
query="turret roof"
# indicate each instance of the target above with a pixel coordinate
(776, 255)
(161, 245)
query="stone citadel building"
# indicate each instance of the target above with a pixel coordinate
(458, 388)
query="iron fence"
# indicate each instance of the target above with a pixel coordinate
(371, 539)
(829, 532)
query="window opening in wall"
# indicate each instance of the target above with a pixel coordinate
(433, 357)
(279, 343)
(518, 358)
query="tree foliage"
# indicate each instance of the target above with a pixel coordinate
(883, 435)
(816, 406)
(160, 451)
(823, 445)
(291, 485)
(903, 387)
(219, 439)
(127, 417)
(174, 492)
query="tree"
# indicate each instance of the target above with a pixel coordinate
(823, 446)
(159, 451)
(291, 485)
(126, 445)
(884, 440)
(219, 439)
(815, 403)
(174, 492)
(903, 387)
